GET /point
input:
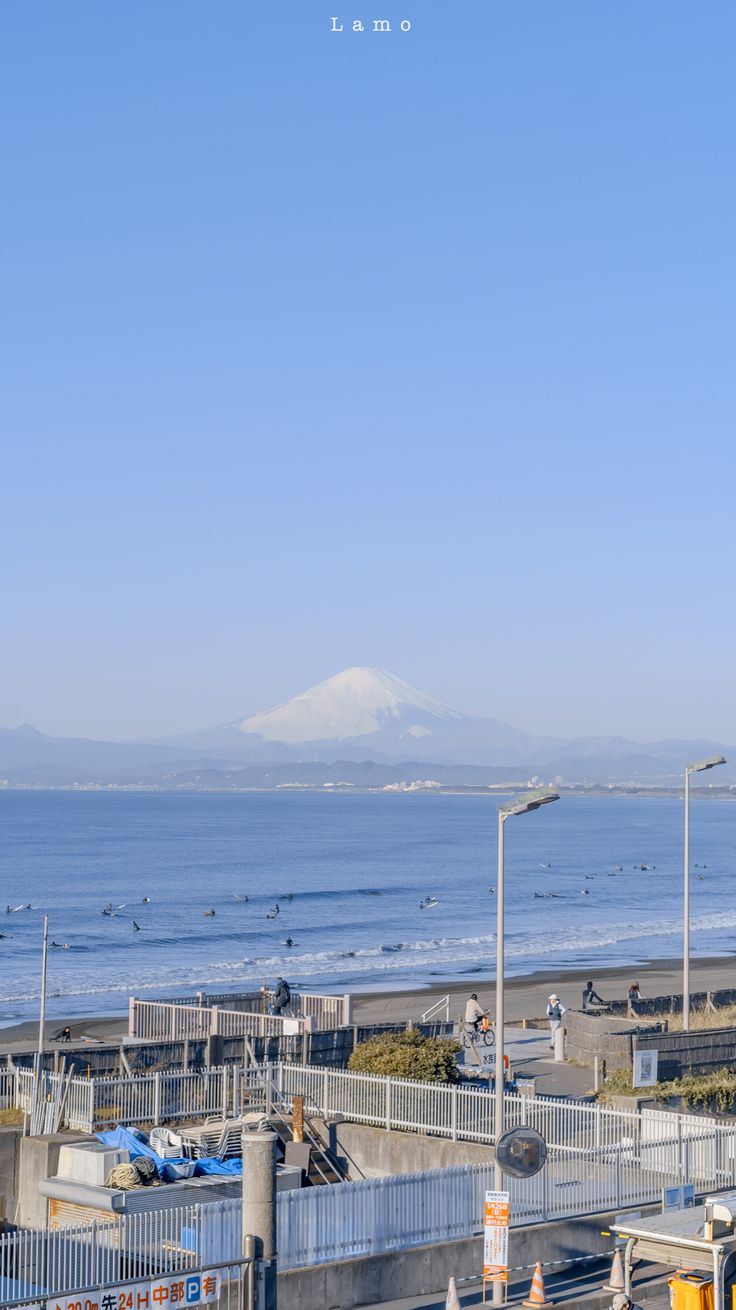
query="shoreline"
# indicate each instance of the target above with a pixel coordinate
(525, 997)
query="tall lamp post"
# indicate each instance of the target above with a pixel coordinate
(530, 802)
(700, 767)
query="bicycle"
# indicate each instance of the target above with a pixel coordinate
(477, 1036)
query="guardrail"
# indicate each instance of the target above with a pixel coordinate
(177, 1020)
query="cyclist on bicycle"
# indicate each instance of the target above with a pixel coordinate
(474, 1016)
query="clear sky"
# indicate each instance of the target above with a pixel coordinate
(410, 349)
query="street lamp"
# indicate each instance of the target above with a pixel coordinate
(531, 802)
(700, 767)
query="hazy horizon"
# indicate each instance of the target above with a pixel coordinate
(324, 350)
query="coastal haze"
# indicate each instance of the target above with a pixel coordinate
(363, 726)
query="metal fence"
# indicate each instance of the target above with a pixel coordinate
(461, 1113)
(94, 1103)
(35, 1263)
(321, 1224)
(190, 1019)
(326, 1011)
(699, 1149)
(7, 1089)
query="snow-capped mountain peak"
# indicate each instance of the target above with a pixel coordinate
(355, 703)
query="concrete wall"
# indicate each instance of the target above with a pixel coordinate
(426, 1270)
(38, 1158)
(365, 1152)
(10, 1139)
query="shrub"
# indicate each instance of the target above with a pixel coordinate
(697, 1091)
(407, 1055)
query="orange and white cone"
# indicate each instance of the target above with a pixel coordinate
(537, 1297)
(453, 1300)
(616, 1280)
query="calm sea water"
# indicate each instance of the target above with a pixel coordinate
(357, 867)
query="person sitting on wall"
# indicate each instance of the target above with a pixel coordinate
(591, 999)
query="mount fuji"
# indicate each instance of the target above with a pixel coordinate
(368, 715)
(360, 717)
(365, 713)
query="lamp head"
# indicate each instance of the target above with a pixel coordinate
(530, 802)
(702, 765)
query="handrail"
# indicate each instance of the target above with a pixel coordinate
(274, 1111)
(442, 1004)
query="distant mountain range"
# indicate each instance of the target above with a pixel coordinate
(362, 716)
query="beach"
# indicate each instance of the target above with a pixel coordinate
(525, 998)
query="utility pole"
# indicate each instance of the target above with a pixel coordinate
(42, 1015)
(259, 1219)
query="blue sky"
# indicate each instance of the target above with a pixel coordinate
(413, 350)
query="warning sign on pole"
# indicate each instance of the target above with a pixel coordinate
(496, 1237)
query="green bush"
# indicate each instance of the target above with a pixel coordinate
(407, 1055)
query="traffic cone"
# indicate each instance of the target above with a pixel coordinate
(453, 1300)
(616, 1281)
(536, 1297)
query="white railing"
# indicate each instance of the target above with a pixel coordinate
(8, 1089)
(167, 1021)
(322, 1224)
(41, 1262)
(164, 1021)
(434, 1010)
(233, 1014)
(467, 1113)
(658, 1143)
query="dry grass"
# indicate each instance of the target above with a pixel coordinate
(703, 1093)
(722, 1018)
(11, 1118)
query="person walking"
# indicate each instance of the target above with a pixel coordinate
(281, 996)
(555, 1011)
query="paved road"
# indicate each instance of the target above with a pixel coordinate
(580, 1289)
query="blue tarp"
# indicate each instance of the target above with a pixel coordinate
(136, 1142)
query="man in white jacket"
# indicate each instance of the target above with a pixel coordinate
(555, 1011)
(473, 1015)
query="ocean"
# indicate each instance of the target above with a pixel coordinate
(348, 873)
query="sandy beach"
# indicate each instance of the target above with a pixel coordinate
(526, 998)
